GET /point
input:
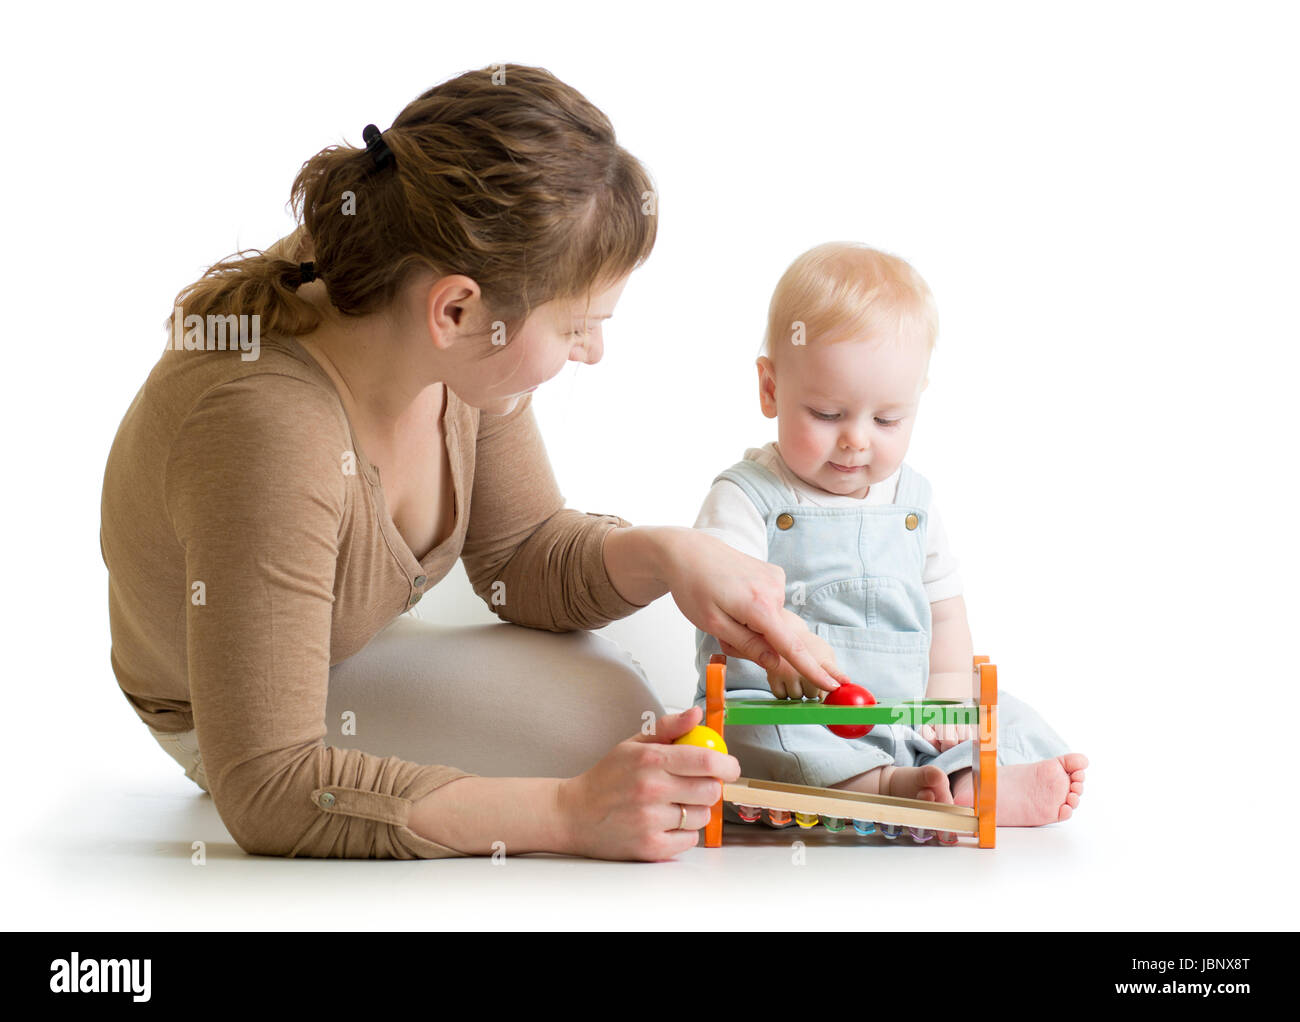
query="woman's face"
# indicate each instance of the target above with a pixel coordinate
(554, 334)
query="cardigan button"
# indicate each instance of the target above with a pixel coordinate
(327, 800)
(911, 521)
(784, 521)
(420, 580)
(415, 598)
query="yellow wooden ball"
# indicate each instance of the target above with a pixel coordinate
(705, 737)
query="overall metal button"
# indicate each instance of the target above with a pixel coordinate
(784, 521)
(911, 521)
(327, 800)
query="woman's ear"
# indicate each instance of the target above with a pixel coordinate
(450, 306)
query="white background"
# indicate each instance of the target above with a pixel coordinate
(1103, 200)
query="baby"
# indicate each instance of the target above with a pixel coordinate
(868, 568)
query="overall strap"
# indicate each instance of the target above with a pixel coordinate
(760, 484)
(913, 488)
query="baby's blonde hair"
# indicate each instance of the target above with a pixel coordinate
(842, 291)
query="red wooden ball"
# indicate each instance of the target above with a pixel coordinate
(850, 695)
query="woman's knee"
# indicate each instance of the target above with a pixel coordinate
(500, 699)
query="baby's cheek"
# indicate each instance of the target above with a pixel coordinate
(800, 455)
(805, 446)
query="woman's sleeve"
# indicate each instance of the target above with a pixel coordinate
(255, 489)
(533, 561)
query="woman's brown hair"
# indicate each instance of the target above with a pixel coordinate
(504, 174)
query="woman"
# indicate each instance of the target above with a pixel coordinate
(267, 512)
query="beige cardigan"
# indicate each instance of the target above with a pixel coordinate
(245, 559)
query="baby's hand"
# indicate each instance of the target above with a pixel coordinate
(785, 681)
(945, 736)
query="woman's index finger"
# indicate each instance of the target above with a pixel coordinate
(777, 634)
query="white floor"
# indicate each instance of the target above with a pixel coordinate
(116, 854)
(101, 825)
(1103, 202)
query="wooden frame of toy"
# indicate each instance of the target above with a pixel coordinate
(883, 814)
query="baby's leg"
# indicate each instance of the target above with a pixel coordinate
(909, 775)
(927, 783)
(879, 763)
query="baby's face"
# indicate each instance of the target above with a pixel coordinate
(844, 411)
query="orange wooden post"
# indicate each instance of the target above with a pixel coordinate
(715, 688)
(985, 765)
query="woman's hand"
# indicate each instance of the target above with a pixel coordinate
(740, 601)
(629, 805)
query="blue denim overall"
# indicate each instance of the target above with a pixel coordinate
(854, 575)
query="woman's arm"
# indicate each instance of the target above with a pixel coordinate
(737, 599)
(532, 560)
(473, 814)
(628, 806)
(635, 559)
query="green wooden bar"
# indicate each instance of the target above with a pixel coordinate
(812, 711)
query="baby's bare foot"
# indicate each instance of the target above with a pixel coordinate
(928, 783)
(1032, 794)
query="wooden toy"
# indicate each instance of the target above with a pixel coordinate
(831, 807)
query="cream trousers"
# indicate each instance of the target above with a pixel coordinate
(497, 700)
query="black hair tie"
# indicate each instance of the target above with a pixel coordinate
(377, 147)
(307, 273)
